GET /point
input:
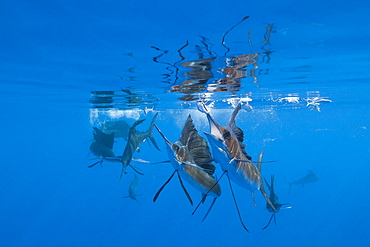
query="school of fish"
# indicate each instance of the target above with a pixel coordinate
(192, 159)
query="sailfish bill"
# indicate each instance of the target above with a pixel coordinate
(162, 187)
(191, 158)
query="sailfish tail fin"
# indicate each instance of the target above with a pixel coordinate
(150, 134)
(290, 184)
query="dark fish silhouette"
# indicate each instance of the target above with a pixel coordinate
(102, 146)
(229, 152)
(131, 189)
(135, 138)
(274, 200)
(309, 178)
(191, 159)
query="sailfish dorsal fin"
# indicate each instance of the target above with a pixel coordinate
(107, 140)
(197, 146)
(239, 133)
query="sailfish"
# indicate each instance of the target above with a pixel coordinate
(102, 146)
(191, 158)
(229, 151)
(275, 201)
(135, 138)
(309, 178)
(131, 189)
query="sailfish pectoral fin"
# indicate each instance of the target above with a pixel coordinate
(196, 166)
(236, 204)
(239, 160)
(209, 210)
(133, 168)
(160, 190)
(100, 161)
(161, 162)
(205, 195)
(272, 216)
(186, 192)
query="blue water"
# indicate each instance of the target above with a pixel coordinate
(308, 85)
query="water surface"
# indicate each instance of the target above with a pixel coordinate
(67, 67)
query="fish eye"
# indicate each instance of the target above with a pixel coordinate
(226, 135)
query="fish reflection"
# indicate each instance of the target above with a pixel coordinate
(197, 80)
(201, 73)
(102, 99)
(201, 77)
(123, 98)
(267, 35)
(235, 71)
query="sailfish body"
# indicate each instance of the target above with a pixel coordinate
(193, 174)
(231, 158)
(229, 151)
(309, 178)
(131, 189)
(135, 138)
(191, 158)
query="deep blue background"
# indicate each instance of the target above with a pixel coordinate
(54, 54)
